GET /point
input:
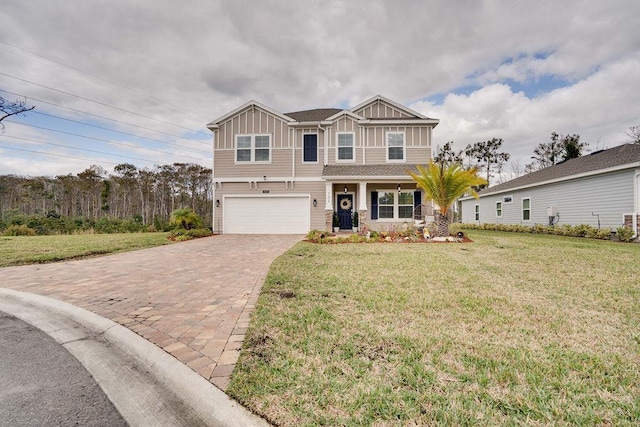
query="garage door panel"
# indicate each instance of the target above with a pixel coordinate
(266, 215)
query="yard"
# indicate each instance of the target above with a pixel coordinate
(17, 250)
(513, 329)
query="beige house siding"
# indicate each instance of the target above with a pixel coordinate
(305, 169)
(382, 110)
(252, 121)
(281, 165)
(344, 124)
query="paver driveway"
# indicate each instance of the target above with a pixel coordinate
(193, 299)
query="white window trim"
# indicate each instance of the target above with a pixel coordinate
(404, 146)
(522, 209)
(252, 148)
(353, 139)
(501, 208)
(476, 212)
(396, 205)
(317, 148)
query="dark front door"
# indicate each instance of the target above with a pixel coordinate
(345, 208)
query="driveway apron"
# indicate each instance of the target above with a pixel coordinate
(193, 299)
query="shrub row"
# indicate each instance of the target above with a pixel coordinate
(180, 234)
(581, 230)
(56, 224)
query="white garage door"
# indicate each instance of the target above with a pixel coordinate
(266, 214)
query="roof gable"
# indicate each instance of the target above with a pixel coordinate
(627, 155)
(380, 107)
(251, 104)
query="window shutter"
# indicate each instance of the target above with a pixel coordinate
(374, 205)
(417, 199)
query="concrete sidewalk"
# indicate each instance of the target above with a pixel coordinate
(192, 299)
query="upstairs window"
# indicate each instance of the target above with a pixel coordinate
(345, 147)
(253, 148)
(310, 148)
(395, 146)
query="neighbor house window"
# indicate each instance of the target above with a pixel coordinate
(499, 209)
(310, 148)
(345, 147)
(526, 209)
(394, 205)
(477, 212)
(253, 148)
(395, 146)
(507, 199)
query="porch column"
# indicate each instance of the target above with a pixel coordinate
(328, 205)
(362, 196)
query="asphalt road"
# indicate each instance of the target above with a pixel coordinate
(42, 384)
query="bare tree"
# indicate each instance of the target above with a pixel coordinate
(11, 108)
(634, 134)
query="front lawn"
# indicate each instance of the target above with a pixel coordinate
(511, 329)
(17, 250)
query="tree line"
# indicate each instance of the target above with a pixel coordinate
(142, 195)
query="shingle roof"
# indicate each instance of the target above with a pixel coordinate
(397, 169)
(616, 156)
(314, 115)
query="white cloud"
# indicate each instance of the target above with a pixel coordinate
(188, 65)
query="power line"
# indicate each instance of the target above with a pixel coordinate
(76, 148)
(53, 154)
(100, 103)
(103, 140)
(103, 117)
(111, 82)
(116, 131)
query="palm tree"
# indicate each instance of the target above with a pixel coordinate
(444, 184)
(185, 218)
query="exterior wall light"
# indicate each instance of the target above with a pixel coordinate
(399, 188)
(217, 203)
(315, 203)
(345, 189)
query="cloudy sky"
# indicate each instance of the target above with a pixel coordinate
(136, 81)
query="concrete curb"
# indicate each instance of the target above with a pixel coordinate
(183, 388)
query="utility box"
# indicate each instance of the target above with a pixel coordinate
(550, 211)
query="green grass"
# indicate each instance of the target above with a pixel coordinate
(40, 249)
(509, 330)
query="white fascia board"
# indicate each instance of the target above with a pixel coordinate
(395, 122)
(310, 124)
(371, 178)
(566, 178)
(259, 179)
(243, 107)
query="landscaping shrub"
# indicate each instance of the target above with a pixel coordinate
(625, 234)
(180, 234)
(19, 230)
(579, 230)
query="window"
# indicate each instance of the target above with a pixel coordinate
(310, 148)
(394, 205)
(499, 209)
(526, 209)
(507, 199)
(345, 147)
(253, 148)
(395, 146)
(477, 212)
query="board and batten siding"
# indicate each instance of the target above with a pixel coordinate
(252, 121)
(382, 110)
(607, 195)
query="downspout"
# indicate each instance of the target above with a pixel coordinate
(636, 203)
(293, 159)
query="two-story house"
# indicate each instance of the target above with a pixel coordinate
(288, 173)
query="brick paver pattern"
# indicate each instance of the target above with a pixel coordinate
(193, 299)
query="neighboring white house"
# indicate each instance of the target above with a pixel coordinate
(601, 189)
